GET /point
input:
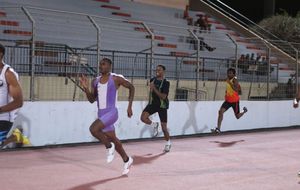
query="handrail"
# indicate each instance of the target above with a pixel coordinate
(147, 25)
(239, 15)
(262, 33)
(74, 50)
(32, 56)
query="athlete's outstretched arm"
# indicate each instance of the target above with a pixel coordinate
(123, 82)
(85, 85)
(15, 91)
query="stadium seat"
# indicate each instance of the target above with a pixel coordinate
(9, 23)
(121, 14)
(111, 7)
(2, 14)
(17, 32)
(162, 38)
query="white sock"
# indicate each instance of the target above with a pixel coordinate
(169, 142)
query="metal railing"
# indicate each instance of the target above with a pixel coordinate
(45, 58)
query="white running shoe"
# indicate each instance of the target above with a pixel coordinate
(155, 131)
(299, 174)
(216, 130)
(167, 148)
(110, 153)
(127, 166)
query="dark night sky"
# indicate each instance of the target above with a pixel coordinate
(254, 9)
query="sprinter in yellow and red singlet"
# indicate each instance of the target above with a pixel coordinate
(232, 99)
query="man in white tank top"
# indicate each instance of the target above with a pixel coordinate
(104, 91)
(11, 99)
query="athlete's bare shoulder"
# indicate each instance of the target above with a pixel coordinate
(115, 75)
(118, 78)
(11, 76)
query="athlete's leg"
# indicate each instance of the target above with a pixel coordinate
(145, 118)
(163, 116)
(96, 130)
(221, 112)
(5, 127)
(165, 131)
(149, 110)
(167, 137)
(220, 116)
(10, 139)
(119, 148)
(237, 112)
(126, 159)
(239, 115)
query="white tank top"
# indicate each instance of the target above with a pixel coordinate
(106, 93)
(5, 98)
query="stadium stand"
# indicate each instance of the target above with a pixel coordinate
(62, 27)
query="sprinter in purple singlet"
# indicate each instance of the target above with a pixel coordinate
(104, 90)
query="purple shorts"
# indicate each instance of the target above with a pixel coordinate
(108, 117)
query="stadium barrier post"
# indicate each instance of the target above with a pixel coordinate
(179, 72)
(151, 52)
(176, 68)
(297, 70)
(146, 69)
(32, 52)
(198, 63)
(217, 82)
(269, 70)
(235, 52)
(133, 67)
(98, 40)
(151, 47)
(297, 67)
(203, 67)
(113, 56)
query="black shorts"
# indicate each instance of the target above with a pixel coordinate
(235, 106)
(163, 113)
(5, 127)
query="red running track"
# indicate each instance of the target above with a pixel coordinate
(248, 161)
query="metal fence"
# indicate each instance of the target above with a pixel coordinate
(63, 45)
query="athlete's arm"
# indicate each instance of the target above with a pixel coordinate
(161, 95)
(125, 83)
(89, 93)
(15, 91)
(234, 84)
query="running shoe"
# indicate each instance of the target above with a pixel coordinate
(167, 148)
(110, 153)
(127, 166)
(155, 131)
(216, 130)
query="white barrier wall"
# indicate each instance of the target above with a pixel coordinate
(48, 123)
